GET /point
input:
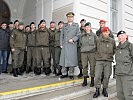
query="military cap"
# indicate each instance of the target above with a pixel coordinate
(104, 29)
(60, 22)
(121, 32)
(3, 23)
(16, 21)
(52, 22)
(32, 23)
(82, 20)
(21, 23)
(42, 21)
(10, 22)
(27, 26)
(102, 21)
(88, 24)
(70, 14)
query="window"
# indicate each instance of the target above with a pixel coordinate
(114, 15)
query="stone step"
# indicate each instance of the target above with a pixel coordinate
(71, 92)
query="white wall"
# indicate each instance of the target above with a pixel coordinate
(29, 12)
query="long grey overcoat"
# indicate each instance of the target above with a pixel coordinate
(68, 56)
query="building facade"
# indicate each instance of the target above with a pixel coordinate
(117, 13)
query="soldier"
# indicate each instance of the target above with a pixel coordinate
(68, 38)
(18, 44)
(102, 24)
(31, 48)
(124, 68)
(104, 58)
(52, 31)
(82, 29)
(88, 48)
(27, 30)
(42, 49)
(4, 43)
(57, 47)
(16, 23)
(11, 28)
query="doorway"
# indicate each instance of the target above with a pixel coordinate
(4, 12)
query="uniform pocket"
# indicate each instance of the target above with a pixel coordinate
(126, 68)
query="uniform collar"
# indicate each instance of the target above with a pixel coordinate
(124, 45)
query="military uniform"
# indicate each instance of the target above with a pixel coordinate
(31, 50)
(124, 70)
(104, 58)
(51, 46)
(18, 42)
(57, 49)
(42, 50)
(68, 56)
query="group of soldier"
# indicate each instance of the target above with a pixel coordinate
(69, 46)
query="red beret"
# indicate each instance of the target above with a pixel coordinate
(102, 21)
(105, 29)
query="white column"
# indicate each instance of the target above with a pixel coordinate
(109, 14)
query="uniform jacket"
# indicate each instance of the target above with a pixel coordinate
(68, 56)
(105, 49)
(4, 39)
(42, 38)
(88, 42)
(124, 59)
(99, 33)
(31, 39)
(57, 38)
(18, 39)
(52, 36)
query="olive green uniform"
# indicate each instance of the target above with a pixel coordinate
(124, 71)
(88, 48)
(57, 49)
(42, 48)
(31, 50)
(18, 42)
(51, 45)
(104, 58)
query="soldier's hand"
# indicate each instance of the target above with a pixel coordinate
(71, 41)
(13, 50)
(61, 46)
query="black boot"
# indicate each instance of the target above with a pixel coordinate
(15, 72)
(97, 93)
(19, 71)
(84, 82)
(59, 72)
(64, 76)
(104, 92)
(55, 72)
(92, 82)
(48, 71)
(38, 71)
(27, 70)
(80, 74)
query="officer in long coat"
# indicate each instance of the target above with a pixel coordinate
(124, 67)
(68, 38)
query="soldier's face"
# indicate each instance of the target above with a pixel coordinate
(122, 37)
(16, 24)
(21, 27)
(32, 26)
(106, 34)
(60, 25)
(82, 23)
(52, 25)
(4, 26)
(27, 29)
(88, 28)
(70, 19)
(11, 26)
(43, 25)
(102, 24)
